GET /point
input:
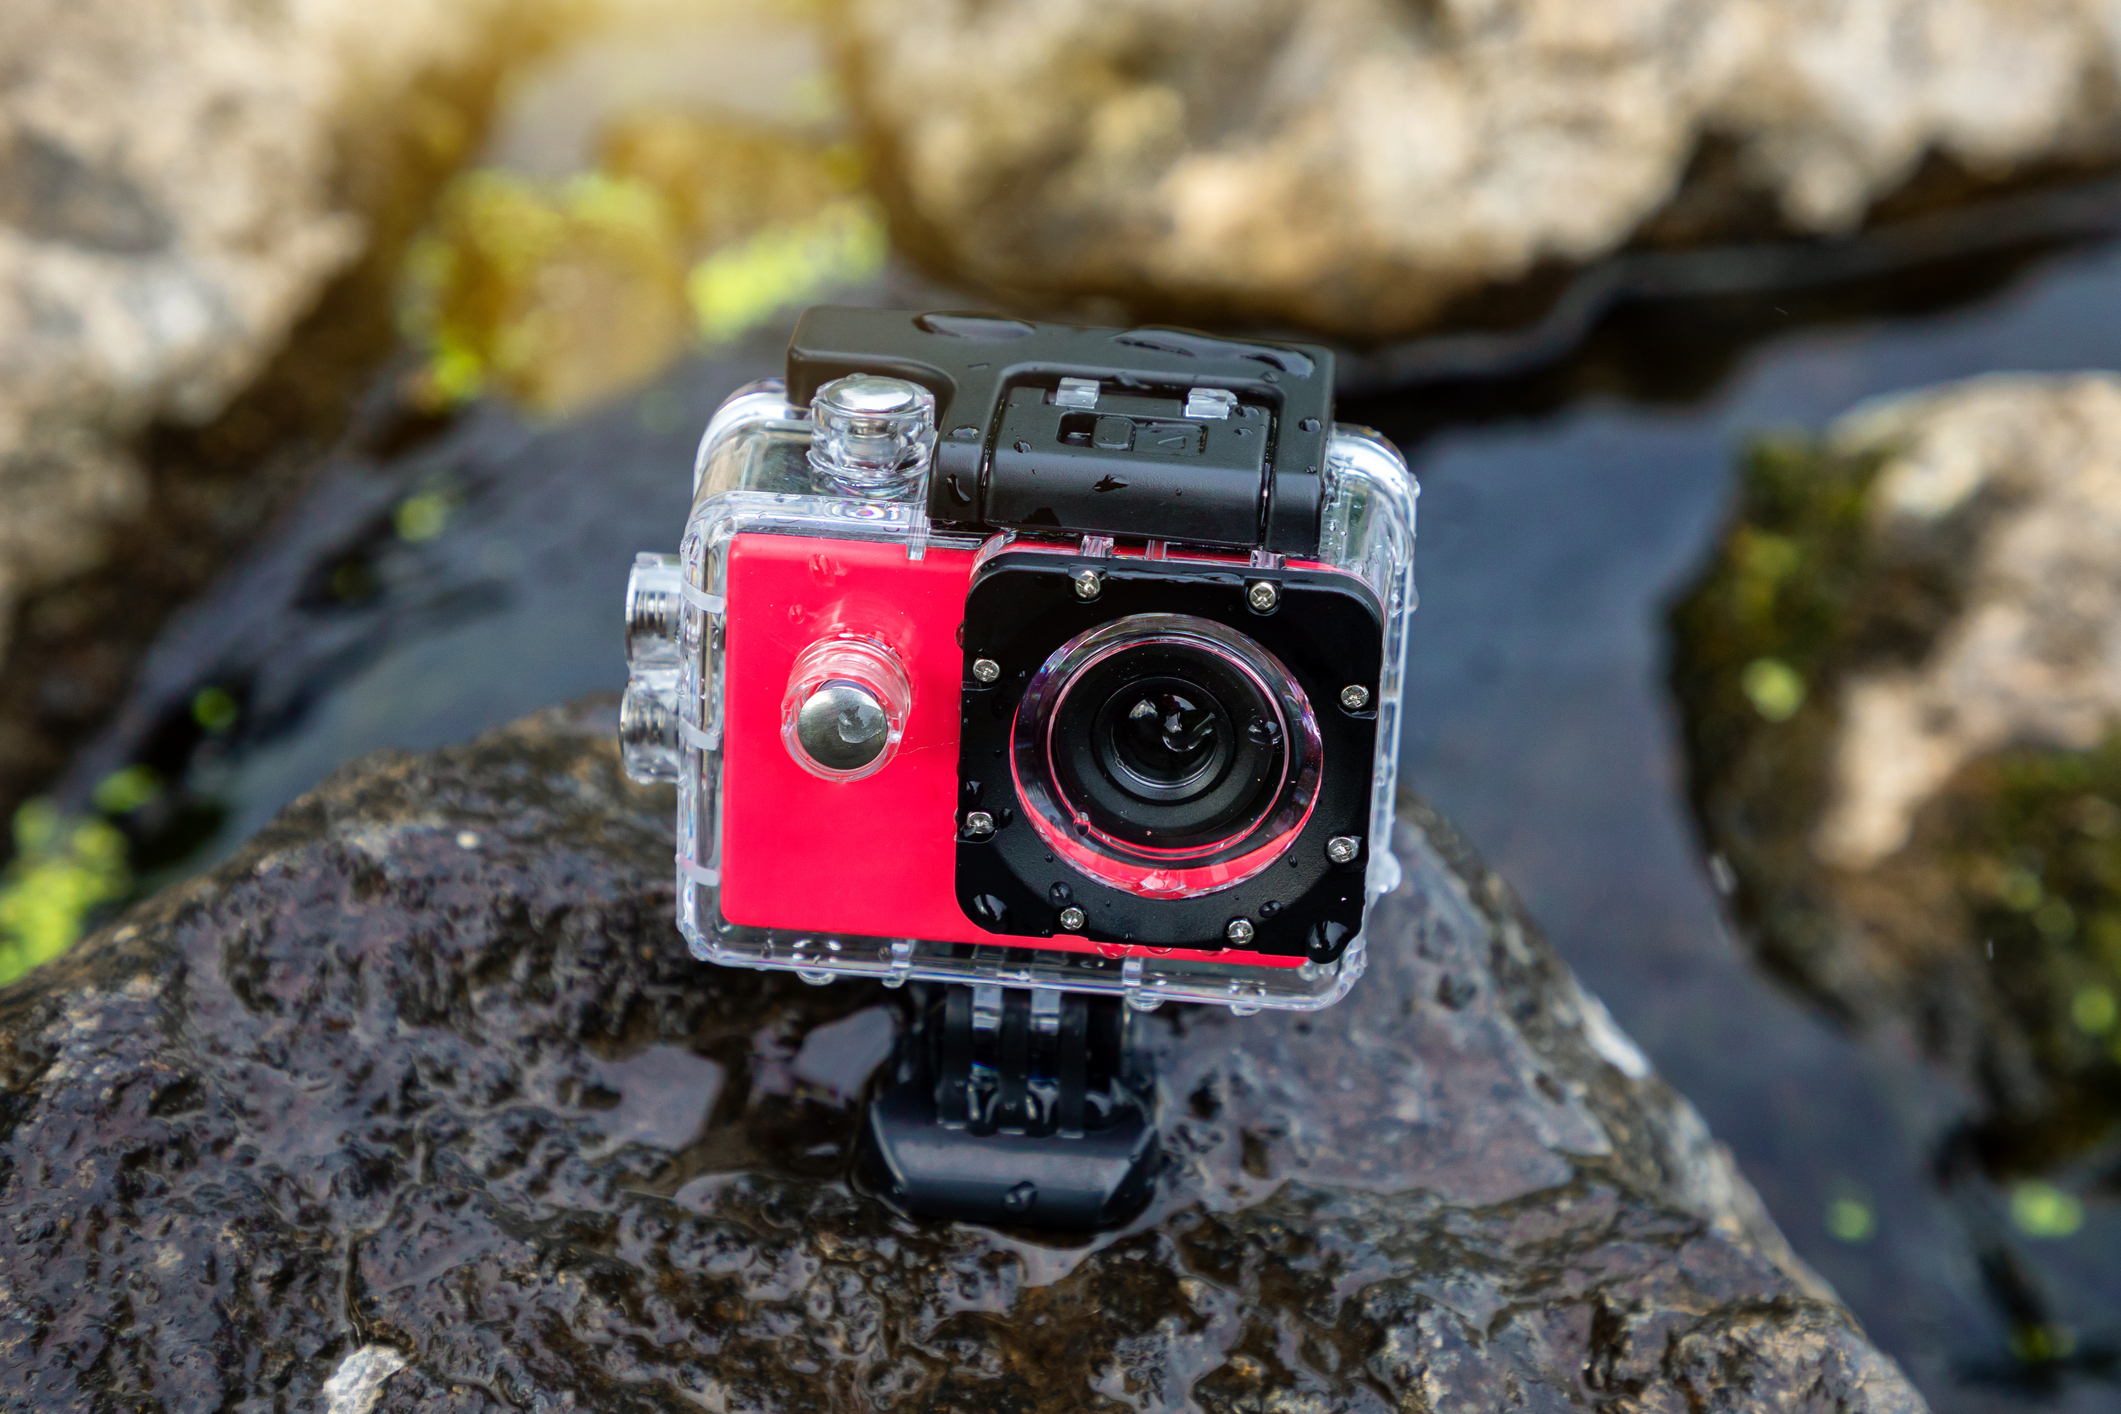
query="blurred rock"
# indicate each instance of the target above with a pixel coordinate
(178, 184)
(419, 1100)
(559, 293)
(1902, 687)
(1364, 166)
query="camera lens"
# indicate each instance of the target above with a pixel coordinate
(1165, 743)
(1166, 754)
(1159, 740)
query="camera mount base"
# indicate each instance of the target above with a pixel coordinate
(1013, 1106)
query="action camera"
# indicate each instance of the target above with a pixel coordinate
(1032, 655)
(1033, 658)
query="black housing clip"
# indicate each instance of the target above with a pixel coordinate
(1013, 1106)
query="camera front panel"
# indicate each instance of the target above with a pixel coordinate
(1165, 763)
(859, 857)
(875, 855)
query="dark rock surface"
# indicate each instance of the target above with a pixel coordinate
(424, 1075)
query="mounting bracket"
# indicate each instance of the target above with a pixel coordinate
(1015, 1106)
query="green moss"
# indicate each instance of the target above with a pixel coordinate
(1763, 627)
(2034, 841)
(421, 516)
(740, 288)
(215, 709)
(1851, 1219)
(558, 294)
(62, 872)
(2043, 1210)
(124, 791)
(1757, 645)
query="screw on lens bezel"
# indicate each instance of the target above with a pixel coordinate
(1080, 825)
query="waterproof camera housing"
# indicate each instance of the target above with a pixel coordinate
(1030, 656)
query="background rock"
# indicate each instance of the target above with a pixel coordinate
(1359, 166)
(320, 179)
(424, 1075)
(178, 185)
(1902, 683)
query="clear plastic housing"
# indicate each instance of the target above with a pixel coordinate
(754, 474)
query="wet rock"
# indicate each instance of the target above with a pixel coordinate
(417, 1102)
(178, 185)
(1902, 688)
(1361, 166)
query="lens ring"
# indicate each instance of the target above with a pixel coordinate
(1242, 734)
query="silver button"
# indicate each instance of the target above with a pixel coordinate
(870, 431)
(842, 726)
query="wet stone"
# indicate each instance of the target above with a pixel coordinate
(418, 1103)
(1899, 677)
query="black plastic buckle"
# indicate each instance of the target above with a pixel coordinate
(1014, 1106)
(1250, 478)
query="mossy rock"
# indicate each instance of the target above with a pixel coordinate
(1992, 931)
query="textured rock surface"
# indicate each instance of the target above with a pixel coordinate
(1922, 799)
(424, 1076)
(1356, 165)
(178, 183)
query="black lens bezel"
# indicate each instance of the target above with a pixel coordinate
(1326, 629)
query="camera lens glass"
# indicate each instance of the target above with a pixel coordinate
(1162, 738)
(1166, 754)
(1165, 743)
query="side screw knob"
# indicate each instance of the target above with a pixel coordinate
(1072, 919)
(1088, 584)
(1342, 849)
(985, 670)
(648, 727)
(1239, 931)
(978, 824)
(1355, 697)
(1263, 595)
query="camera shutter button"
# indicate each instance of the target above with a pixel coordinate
(845, 708)
(842, 726)
(870, 433)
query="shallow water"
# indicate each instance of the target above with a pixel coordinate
(1561, 509)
